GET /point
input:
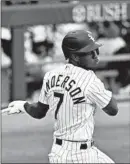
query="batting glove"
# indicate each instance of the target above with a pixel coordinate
(15, 107)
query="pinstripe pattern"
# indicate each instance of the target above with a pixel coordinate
(91, 155)
(82, 94)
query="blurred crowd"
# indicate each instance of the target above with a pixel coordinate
(42, 43)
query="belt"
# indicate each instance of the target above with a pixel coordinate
(82, 145)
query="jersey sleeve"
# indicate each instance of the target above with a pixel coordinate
(97, 93)
(43, 94)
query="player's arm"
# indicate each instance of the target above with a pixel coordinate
(111, 108)
(36, 110)
(102, 97)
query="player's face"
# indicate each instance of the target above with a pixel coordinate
(90, 60)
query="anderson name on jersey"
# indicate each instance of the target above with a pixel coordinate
(73, 94)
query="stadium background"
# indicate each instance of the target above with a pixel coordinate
(31, 36)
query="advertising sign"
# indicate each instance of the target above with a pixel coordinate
(100, 12)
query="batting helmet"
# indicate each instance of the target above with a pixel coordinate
(78, 42)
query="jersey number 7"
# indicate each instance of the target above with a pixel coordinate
(60, 96)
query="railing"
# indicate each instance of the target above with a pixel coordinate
(117, 58)
(106, 73)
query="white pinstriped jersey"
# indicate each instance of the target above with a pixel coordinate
(73, 94)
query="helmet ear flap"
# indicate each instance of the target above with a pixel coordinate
(65, 51)
(75, 57)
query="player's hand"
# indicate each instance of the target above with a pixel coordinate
(15, 107)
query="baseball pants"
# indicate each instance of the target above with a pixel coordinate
(75, 152)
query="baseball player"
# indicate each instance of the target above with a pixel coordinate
(73, 93)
